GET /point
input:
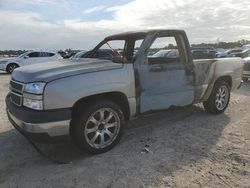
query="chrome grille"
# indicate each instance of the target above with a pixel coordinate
(16, 98)
(16, 92)
(16, 86)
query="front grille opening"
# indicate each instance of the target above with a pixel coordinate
(16, 92)
(18, 87)
(16, 99)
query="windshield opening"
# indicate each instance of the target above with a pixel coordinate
(117, 50)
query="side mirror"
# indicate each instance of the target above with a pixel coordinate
(117, 59)
(26, 57)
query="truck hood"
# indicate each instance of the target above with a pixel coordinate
(46, 72)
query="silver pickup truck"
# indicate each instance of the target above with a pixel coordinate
(90, 99)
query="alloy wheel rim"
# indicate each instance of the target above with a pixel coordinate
(102, 128)
(221, 97)
(12, 67)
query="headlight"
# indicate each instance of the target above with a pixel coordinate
(35, 88)
(3, 62)
(33, 103)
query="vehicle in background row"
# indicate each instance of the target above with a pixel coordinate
(232, 52)
(247, 46)
(69, 55)
(222, 54)
(91, 98)
(28, 58)
(79, 55)
(166, 53)
(229, 53)
(203, 53)
(243, 54)
(246, 71)
(107, 54)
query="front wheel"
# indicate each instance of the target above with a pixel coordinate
(99, 127)
(219, 98)
(11, 67)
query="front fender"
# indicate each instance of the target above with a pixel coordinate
(65, 92)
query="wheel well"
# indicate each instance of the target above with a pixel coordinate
(12, 64)
(117, 97)
(227, 79)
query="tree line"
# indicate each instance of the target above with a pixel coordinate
(225, 45)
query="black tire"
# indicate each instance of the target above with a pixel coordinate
(245, 79)
(11, 67)
(210, 105)
(82, 120)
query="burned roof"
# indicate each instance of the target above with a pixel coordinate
(137, 34)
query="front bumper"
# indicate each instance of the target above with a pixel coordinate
(40, 126)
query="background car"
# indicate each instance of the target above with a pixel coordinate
(166, 53)
(80, 54)
(203, 53)
(221, 53)
(247, 46)
(234, 51)
(246, 71)
(107, 54)
(69, 55)
(243, 54)
(28, 58)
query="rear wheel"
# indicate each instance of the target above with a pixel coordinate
(99, 127)
(11, 67)
(219, 98)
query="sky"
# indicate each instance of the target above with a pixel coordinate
(81, 24)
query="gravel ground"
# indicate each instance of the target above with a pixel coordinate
(185, 147)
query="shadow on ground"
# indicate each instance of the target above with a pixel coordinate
(174, 138)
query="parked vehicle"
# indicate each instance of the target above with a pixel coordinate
(220, 50)
(27, 58)
(232, 52)
(203, 53)
(247, 46)
(92, 99)
(166, 53)
(221, 53)
(243, 54)
(246, 72)
(99, 54)
(79, 55)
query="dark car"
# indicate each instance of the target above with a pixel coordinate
(203, 53)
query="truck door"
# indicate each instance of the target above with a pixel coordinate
(165, 73)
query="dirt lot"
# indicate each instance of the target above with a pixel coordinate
(187, 148)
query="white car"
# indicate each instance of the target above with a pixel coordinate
(27, 58)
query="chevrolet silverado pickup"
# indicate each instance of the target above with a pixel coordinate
(90, 99)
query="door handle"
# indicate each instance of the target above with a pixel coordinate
(156, 68)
